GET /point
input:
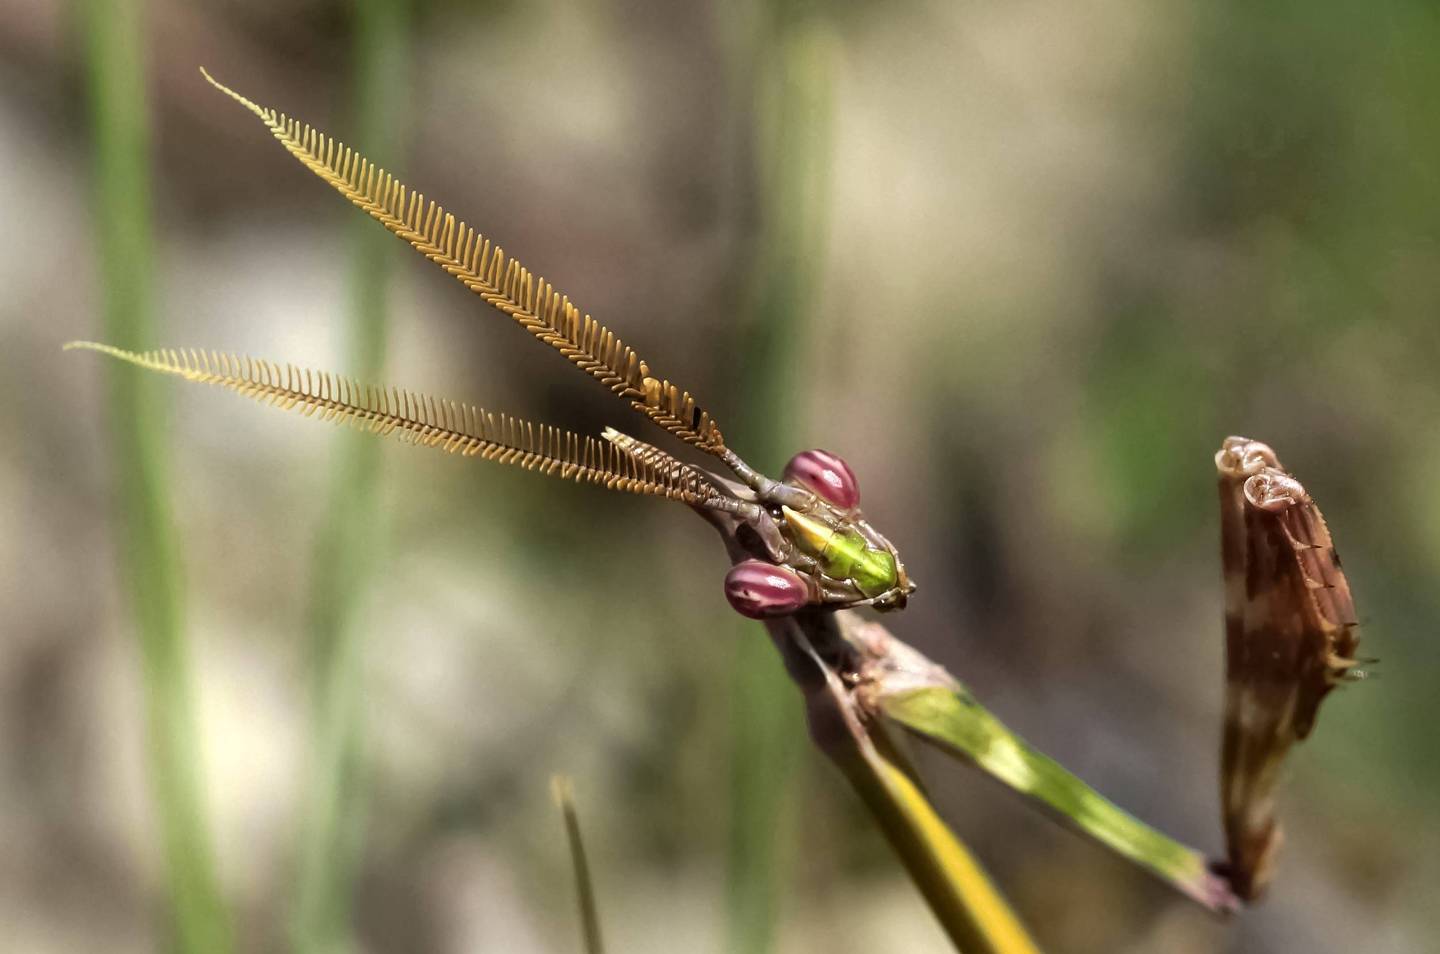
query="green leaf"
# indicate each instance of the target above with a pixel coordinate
(951, 718)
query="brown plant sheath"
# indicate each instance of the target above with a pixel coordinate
(1289, 639)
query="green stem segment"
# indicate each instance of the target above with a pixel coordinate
(148, 550)
(792, 71)
(332, 826)
(951, 718)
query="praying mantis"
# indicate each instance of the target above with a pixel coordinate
(804, 560)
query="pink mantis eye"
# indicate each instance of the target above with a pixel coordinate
(825, 474)
(758, 590)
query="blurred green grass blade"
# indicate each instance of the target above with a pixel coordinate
(563, 791)
(767, 759)
(793, 69)
(150, 559)
(961, 726)
(333, 821)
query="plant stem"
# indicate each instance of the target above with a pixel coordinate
(793, 90)
(331, 830)
(563, 792)
(951, 718)
(149, 555)
(972, 912)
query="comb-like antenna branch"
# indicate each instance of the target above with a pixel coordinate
(482, 267)
(421, 419)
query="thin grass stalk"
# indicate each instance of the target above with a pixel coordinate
(563, 791)
(793, 142)
(332, 826)
(149, 553)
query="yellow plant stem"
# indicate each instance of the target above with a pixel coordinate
(970, 909)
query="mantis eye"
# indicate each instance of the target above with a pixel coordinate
(826, 475)
(758, 590)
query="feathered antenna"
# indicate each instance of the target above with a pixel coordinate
(420, 419)
(483, 268)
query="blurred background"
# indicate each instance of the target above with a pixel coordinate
(265, 684)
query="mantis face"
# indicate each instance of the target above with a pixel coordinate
(834, 557)
(796, 542)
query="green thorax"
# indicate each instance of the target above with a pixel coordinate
(843, 553)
